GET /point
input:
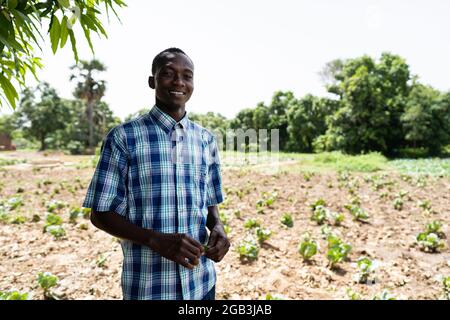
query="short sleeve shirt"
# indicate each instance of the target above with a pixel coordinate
(162, 175)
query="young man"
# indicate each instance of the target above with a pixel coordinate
(157, 186)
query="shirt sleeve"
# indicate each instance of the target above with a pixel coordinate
(107, 190)
(214, 176)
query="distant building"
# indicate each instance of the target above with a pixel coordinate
(6, 142)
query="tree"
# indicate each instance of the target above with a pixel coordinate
(372, 99)
(75, 135)
(426, 120)
(21, 30)
(90, 90)
(306, 119)
(40, 113)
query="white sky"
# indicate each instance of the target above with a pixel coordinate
(244, 51)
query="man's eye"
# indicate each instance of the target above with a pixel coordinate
(188, 76)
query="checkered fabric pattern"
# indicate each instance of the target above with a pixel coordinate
(161, 175)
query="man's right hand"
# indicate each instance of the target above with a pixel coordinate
(177, 247)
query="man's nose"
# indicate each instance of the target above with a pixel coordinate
(178, 80)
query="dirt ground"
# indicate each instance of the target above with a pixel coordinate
(87, 261)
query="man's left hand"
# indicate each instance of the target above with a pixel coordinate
(218, 244)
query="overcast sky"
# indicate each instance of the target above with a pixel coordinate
(244, 51)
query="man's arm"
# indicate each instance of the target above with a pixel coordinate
(218, 244)
(176, 247)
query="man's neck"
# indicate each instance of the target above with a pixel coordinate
(175, 112)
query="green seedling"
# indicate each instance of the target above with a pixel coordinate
(46, 281)
(366, 268)
(287, 220)
(308, 247)
(337, 250)
(251, 223)
(263, 234)
(13, 295)
(248, 250)
(56, 231)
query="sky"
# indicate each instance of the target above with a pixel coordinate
(244, 51)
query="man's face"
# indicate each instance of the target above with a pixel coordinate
(173, 81)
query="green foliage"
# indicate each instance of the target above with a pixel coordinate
(319, 214)
(366, 267)
(372, 99)
(431, 239)
(14, 202)
(263, 234)
(426, 120)
(46, 281)
(384, 295)
(251, 223)
(248, 250)
(337, 250)
(308, 247)
(357, 212)
(56, 231)
(362, 163)
(13, 295)
(287, 220)
(446, 286)
(21, 33)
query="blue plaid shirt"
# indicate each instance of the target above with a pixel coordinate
(160, 175)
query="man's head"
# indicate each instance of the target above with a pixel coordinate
(172, 78)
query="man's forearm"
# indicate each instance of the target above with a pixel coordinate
(213, 217)
(119, 227)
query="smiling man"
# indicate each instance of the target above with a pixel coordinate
(156, 187)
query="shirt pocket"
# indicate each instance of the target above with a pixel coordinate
(199, 184)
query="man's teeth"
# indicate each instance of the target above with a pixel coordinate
(178, 93)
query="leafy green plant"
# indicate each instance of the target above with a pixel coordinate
(287, 220)
(46, 281)
(336, 218)
(429, 242)
(366, 268)
(52, 219)
(357, 212)
(227, 229)
(18, 220)
(308, 247)
(74, 214)
(263, 234)
(14, 202)
(431, 239)
(101, 261)
(337, 250)
(274, 297)
(54, 205)
(446, 285)
(13, 295)
(352, 295)
(319, 214)
(384, 295)
(398, 204)
(251, 223)
(248, 250)
(56, 231)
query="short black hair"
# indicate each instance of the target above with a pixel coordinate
(160, 57)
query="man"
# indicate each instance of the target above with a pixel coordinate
(157, 186)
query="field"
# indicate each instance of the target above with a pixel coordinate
(377, 207)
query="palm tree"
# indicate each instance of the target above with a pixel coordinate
(90, 90)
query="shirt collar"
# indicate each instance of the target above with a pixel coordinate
(166, 122)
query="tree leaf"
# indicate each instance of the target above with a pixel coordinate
(64, 3)
(12, 4)
(74, 45)
(55, 33)
(64, 32)
(9, 90)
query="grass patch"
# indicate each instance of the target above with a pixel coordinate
(10, 162)
(432, 166)
(361, 163)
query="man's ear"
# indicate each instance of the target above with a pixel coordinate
(151, 82)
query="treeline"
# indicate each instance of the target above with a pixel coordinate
(373, 105)
(44, 120)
